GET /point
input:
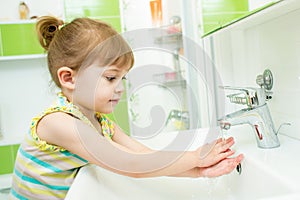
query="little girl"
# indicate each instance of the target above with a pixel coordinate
(87, 60)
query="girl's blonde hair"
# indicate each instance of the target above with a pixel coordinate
(71, 44)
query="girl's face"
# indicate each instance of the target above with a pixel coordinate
(109, 89)
(100, 88)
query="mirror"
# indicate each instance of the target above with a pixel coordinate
(218, 14)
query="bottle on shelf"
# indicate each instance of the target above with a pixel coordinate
(156, 12)
(23, 10)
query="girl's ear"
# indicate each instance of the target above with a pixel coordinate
(66, 77)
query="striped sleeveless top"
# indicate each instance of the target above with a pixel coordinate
(44, 171)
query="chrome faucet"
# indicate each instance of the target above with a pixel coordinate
(257, 113)
(179, 116)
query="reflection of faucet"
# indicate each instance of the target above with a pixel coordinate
(180, 119)
(257, 114)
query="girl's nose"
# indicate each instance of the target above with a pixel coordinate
(120, 87)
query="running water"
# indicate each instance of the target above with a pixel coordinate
(223, 133)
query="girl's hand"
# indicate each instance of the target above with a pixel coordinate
(212, 153)
(223, 167)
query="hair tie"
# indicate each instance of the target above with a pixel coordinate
(61, 26)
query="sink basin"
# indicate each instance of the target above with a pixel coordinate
(259, 179)
(253, 183)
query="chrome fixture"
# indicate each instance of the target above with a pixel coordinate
(257, 113)
(181, 117)
(175, 20)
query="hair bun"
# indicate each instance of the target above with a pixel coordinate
(52, 28)
(47, 27)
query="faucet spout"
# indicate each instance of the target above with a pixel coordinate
(259, 119)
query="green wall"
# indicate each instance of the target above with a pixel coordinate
(7, 158)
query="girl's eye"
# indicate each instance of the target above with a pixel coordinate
(110, 78)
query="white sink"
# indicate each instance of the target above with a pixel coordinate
(263, 177)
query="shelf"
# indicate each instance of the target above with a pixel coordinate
(5, 181)
(12, 140)
(176, 83)
(22, 57)
(26, 21)
(262, 16)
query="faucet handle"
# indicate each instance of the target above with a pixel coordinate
(265, 80)
(250, 96)
(246, 96)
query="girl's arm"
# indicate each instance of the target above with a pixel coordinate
(74, 135)
(221, 168)
(123, 139)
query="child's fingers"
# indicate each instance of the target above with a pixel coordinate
(239, 158)
(224, 146)
(225, 154)
(223, 167)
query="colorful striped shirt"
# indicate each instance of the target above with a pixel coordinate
(44, 171)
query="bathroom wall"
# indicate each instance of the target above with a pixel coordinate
(25, 90)
(10, 9)
(269, 39)
(136, 13)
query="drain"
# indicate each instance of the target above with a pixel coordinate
(239, 168)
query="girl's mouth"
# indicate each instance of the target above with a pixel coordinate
(114, 101)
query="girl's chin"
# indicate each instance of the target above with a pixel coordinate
(109, 108)
(108, 111)
(105, 111)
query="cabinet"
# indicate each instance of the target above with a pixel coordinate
(217, 14)
(106, 10)
(8, 155)
(220, 12)
(19, 39)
